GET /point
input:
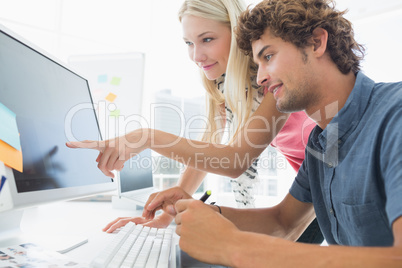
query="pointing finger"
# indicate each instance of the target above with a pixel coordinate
(87, 144)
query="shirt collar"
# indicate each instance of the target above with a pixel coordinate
(342, 125)
(219, 82)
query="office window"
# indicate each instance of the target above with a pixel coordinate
(179, 116)
(63, 29)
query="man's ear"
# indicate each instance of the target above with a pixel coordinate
(320, 39)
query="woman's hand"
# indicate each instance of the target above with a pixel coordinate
(114, 152)
(160, 221)
(164, 200)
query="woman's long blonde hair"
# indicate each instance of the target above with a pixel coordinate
(238, 71)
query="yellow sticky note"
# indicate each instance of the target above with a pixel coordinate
(115, 81)
(10, 156)
(111, 97)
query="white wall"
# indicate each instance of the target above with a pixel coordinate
(76, 27)
(377, 26)
(71, 27)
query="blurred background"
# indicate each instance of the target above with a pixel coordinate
(77, 28)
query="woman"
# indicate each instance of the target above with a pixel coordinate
(233, 99)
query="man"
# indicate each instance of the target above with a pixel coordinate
(351, 178)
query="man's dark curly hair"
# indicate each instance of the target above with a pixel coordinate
(294, 22)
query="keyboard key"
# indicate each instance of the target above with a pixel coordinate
(136, 246)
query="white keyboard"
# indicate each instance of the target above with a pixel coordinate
(137, 246)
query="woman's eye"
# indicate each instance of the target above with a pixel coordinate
(268, 57)
(188, 43)
(207, 40)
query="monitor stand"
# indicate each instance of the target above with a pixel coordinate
(10, 232)
(125, 203)
(11, 235)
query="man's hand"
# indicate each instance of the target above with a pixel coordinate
(164, 200)
(204, 233)
(160, 221)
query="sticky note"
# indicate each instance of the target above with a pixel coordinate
(8, 127)
(115, 113)
(115, 81)
(102, 78)
(111, 97)
(10, 156)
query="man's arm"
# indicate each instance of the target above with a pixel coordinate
(287, 220)
(204, 232)
(210, 237)
(281, 253)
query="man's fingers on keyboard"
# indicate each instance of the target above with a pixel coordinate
(149, 214)
(117, 223)
(110, 224)
(116, 226)
(153, 224)
(150, 199)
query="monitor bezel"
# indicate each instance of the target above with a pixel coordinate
(35, 198)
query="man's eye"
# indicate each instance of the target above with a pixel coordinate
(268, 57)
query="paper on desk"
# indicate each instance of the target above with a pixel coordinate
(31, 255)
(10, 146)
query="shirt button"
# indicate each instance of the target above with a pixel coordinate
(330, 165)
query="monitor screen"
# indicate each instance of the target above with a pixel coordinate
(137, 173)
(52, 105)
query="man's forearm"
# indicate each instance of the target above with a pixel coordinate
(257, 250)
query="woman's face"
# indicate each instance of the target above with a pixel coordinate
(208, 44)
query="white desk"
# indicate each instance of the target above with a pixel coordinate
(82, 219)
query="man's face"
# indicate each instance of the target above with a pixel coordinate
(285, 71)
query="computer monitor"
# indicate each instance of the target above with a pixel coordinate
(53, 105)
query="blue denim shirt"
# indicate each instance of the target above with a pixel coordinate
(352, 171)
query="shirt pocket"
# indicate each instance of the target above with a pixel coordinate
(363, 225)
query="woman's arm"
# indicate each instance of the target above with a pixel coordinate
(191, 179)
(228, 160)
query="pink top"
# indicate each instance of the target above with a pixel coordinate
(291, 141)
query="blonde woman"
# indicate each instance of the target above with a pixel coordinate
(233, 99)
